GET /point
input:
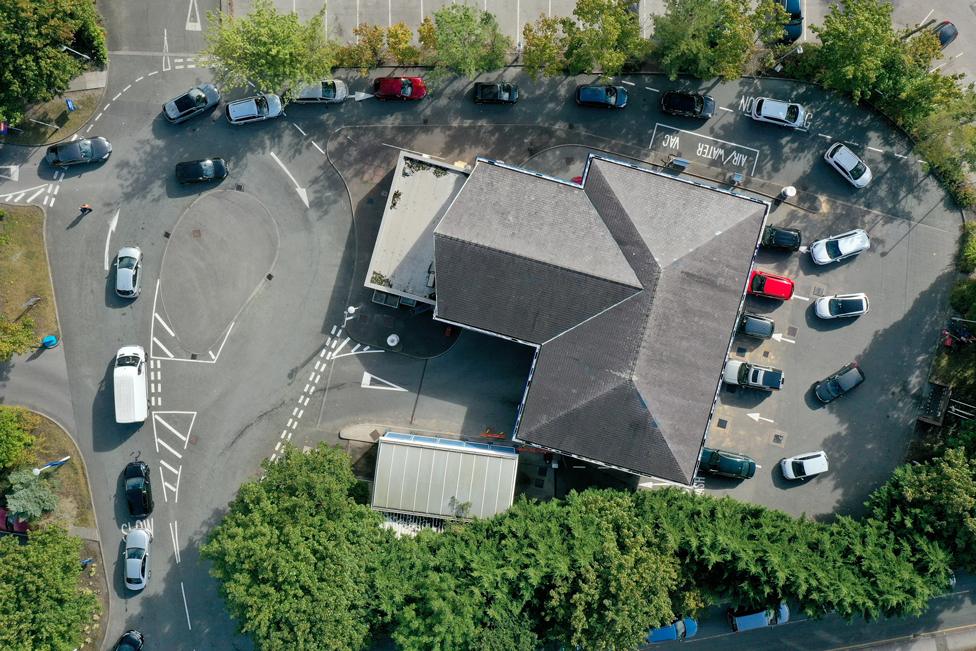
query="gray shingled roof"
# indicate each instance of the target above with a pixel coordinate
(626, 372)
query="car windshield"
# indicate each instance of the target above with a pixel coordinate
(127, 263)
(134, 483)
(833, 248)
(798, 469)
(833, 388)
(134, 553)
(792, 112)
(858, 170)
(406, 89)
(844, 306)
(328, 90)
(758, 283)
(207, 167)
(127, 360)
(197, 96)
(262, 105)
(759, 106)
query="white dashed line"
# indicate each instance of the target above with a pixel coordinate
(291, 423)
(289, 436)
(901, 156)
(311, 375)
(273, 457)
(89, 128)
(851, 142)
(165, 350)
(318, 366)
(629, 83)
(302, 411)
(294, 411)
(305, 390)
(277, 446)
(154, 72)
(876, 149)
(117, 95)
(97, 116)
(317, 147)
(178, 67)
(284, 433)
(824, 135)
(653, 90)
(56, 188)
(333, 330)
(163, 323)
(191, 65)
(299, 129)
(127, 88)
(317, 376)
(322, 354)
(106, 107)
(138, 79)
(722, 108)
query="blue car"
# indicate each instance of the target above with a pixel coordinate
(601, 96)
(680, 629)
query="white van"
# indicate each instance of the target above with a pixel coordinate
(130, 385)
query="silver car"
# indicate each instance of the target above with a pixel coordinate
(837, 247)
(196, 101)
(849, 164)
(128, 272)
(804, 465)
(136, 555)
(785, 114)
(327, 91)
(841, 305)
(254, 109)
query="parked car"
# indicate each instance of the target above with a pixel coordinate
(748, 619)
(763, 283)
(783, 239)
(130, 641)
(841, 382)
(327, 91)
(785, 114)
(689, 105)
(946, 32)
(753, 325)
(136, 555)
(196, 101)
(679, 629)
(128, 272)
(848, 164)
(726, 464)
(401, 88)
(495, 93)
(254, 109)
(841, 305)
(79, 152)
(838, 247)
(138, 488)
(754, 376)
(199, 171)
(804, 465)
(794, 26)
(10, 523)
(601, 96)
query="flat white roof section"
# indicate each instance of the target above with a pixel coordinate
(443, 478)
(403, 256)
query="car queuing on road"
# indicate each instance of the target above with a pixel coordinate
(82, 151)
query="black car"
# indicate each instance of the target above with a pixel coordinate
(946, 32)
(130, 641)
(138, 489)
(79, 152)
(841, 382)
(601, 96)
(689, 105)
(495, 93)
(783, 239)
(726, 464)
(198, 171)
(753, 325)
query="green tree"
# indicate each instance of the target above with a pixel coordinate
(466, 40)
(366, 52)
(603, 36)
(399, 42)
(30, 495)
(17, 427)
(33, 67)
(713, 38)
(274, 51)
(297, 558)
(42, 605)
(16, 337)
(934, 500)
(544, 47)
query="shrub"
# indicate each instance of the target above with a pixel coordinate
(16, 436)
(967, 248)
(963, 298)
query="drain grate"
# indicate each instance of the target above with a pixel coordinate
(740, 351)
(765, 354)
(722, 423)
(779, 438)
(195, 233)
(166, 234)
(791, 331)
(540, 483)
(194, 439)
(269, 276)
(193, 355)
(819, 290)
(239, 187)
(568, 160)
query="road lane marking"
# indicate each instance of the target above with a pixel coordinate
(163, 323)
(300, 412)
(166, 62)
(722, 108)
(317, 147)
(169, 427)
(31, 198)
(176, 545)
(385, 385)
(876, 149)
(299, 129)
(629, 83)
(801, 298)
(302, 193)
(653, 90)
(185, 608)
(117, 95)
(138, 79)
(108, 237)
(165, 350)
(756, 417)
(291, 422)
(170, 448)
(926, 16)
(193, 24)
(283, 433)
(824, 135)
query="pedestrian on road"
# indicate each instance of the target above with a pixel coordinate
(85, 209)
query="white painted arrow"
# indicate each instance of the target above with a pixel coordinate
(193, 24)
(756, 417)
(367, 383)
(108, 238)
(361, 96)
(302, 194)
(779, 337)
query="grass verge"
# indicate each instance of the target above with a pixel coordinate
(54, 113)
(24, 269)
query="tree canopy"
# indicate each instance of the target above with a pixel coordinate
(42, 605)
(274, 51)
(17, 427)
(31, 496)
(33, 66)
(465, 40)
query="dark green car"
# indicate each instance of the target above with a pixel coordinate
(726, 464)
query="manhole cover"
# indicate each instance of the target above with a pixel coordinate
(779, 438)
(569, 160)
(819, 290)
(193, 355)
(765, 353)
(791, 331)
(426, 120)
(194, 439)
(196, 233)
(166, 234)
(722, 423)
(741, 351)
(239, 187)
(540, 483)
(269, 276)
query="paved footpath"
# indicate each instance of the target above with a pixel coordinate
(39, 381)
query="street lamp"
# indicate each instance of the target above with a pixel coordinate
(65, 48)
(779, 66)
(50, 465)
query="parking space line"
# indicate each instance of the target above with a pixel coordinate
(185, 608)
(629, 83)
(876, 149)
(653, 90)
(824, 135)
(722, 108)
(802, 298)
(317, 147)
(169, 427)
(163, 323)
(299, 129)
(171, 449)
(164, 349)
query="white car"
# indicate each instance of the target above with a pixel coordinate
(327, 91)
(128, 272)
(837, 247)
(841, 305)
(804, 465)
(137, 558)
(254, 109)
(849, 164)
(785, 114)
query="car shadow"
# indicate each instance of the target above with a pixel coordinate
(814, 322)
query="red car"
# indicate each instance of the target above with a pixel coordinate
(399, 88)
(10, 524)
(763, 283)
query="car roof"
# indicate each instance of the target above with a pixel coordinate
(774, 108)
(243, 108)
(813, 462)
(849, 377)
(137, 538)
(847, 158)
